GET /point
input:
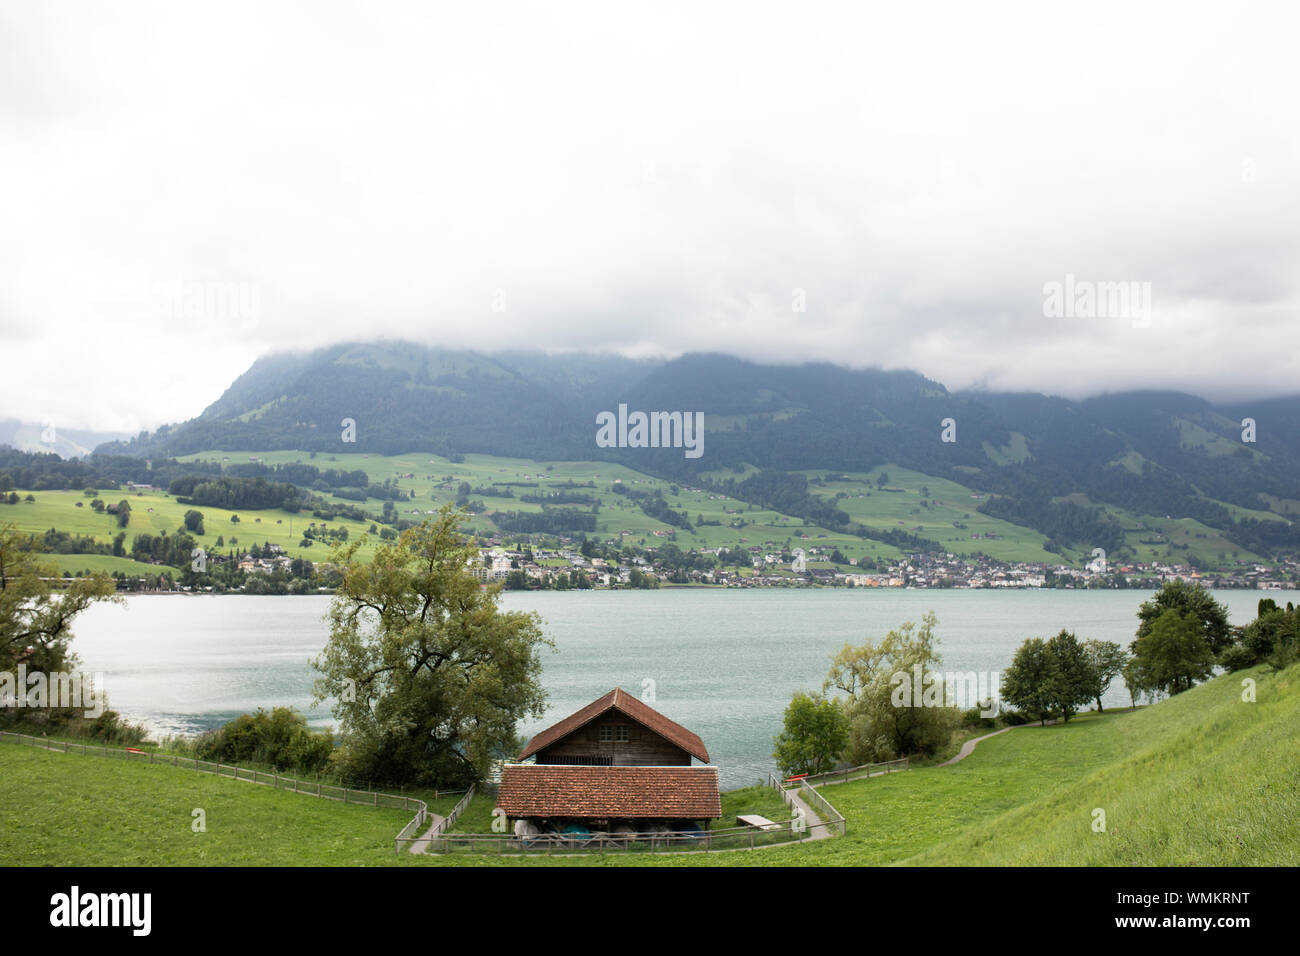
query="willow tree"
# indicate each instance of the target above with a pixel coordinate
(884, 722)
(428, 675)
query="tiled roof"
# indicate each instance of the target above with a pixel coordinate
(544, 790)
(624, 702)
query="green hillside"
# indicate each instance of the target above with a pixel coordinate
(1148, 455)
(1201, 779)
(72, 810)
(922, 505)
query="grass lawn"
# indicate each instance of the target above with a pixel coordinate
(1201, 779)
(1204, 778)
(68, 809)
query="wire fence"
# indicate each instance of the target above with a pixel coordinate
(279, 781)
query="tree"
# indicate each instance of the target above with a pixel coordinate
(1172, 654)
(36, 623)
(1131, 678)
(1273, 637)
(1053, 676)
(1072, 680)
(1211, 617)
(123, 513)
(1107, 660)
(882, 724)
(1025, 682)
(428, 675)
(194, 521)
(815, 733)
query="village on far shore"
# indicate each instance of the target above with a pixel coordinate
(565, 567)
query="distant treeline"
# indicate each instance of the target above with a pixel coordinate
(250, 485)
(1065, 523)
(549, 521)
(236, 493)
(46, 471)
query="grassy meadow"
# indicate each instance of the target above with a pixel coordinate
(1201, 779)
(947, 514)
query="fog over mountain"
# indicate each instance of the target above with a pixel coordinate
(768, 182)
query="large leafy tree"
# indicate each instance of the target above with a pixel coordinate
(35, 618)
(1072, 681)
(1210, 617)
(885, 723)
(1172, 654)
(428, 675)
(1025, 683)
(1052, 677)
(815, 733)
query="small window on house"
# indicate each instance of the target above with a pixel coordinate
(615, 733)
(620, 734)
(606, 733)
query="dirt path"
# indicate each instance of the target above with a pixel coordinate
(422, 844)
(968, 747)
(815, 829)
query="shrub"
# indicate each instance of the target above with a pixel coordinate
(974, 719)
(278, 738)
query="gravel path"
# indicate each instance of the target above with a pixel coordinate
(968, 747)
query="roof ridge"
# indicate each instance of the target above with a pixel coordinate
(633, 707)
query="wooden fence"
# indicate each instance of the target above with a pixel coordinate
(279, 781)
(438, 829)
(857, 773)
(662, 841)
(831, 818)
(730, 838)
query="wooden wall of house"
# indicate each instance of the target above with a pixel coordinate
(644, 748)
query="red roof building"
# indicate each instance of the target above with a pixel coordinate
(615, 761)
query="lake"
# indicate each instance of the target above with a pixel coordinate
(724, 662)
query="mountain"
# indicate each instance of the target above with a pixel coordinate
(1049, 462)
(64, 442)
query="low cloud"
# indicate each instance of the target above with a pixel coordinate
(778, 183)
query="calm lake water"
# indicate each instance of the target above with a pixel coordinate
(723, 663)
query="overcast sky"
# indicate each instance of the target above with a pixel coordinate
(653, 179)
